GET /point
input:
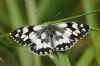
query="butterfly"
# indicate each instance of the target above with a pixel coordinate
(44, 39)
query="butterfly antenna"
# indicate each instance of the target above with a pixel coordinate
(40, 15)
(57, 14)
(48, 17)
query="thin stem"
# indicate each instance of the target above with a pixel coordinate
(73, 17)
(4, 35)
(57, 21)
(95, 29)
(7, 34)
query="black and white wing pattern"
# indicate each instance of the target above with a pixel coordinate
(71, 33)
(34, 37)
(24, 35)
(43, 40)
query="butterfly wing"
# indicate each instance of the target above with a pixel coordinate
(25, 35)
(42, 45)
(71, 33)
(34, 37)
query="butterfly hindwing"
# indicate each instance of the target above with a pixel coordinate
(42, 51)
(42, 45)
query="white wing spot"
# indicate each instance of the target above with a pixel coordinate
(76, 39)
(17, 35)
(56, 43)
(25, 38)
(45, 45)
(46, 53)
(25, 30)
(74, 25)
(50, 51)
(41, 53)
(49, 45)
(37, 28)
(38, 41)
(18, 30)
(39, 46)
(66, 38)
(58, 33)
(83, 29)
(66, 47)
(31, 34)
(60, 41)
(68, 33)
(68, 29)
(57, 48)
(62, 49)
(75, 33)
(81, 25)
(64, 41)
(43, 36)
(62, 25)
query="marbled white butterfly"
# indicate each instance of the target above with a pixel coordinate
(43, 40)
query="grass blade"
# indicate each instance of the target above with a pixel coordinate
(25, 56)
(32, 18)
(64, 60)
(92, 20)
(7, 45)
(31, 10)
(55, 59)
(14, 13)
(95, 29)
(4, 35)
(87, 57)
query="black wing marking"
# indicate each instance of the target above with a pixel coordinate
(72, 32)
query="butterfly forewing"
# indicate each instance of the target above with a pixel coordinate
(25, 35)
(43, 40)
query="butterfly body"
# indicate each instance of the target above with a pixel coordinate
(43, 40)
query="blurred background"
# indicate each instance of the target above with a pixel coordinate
(18, 13)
